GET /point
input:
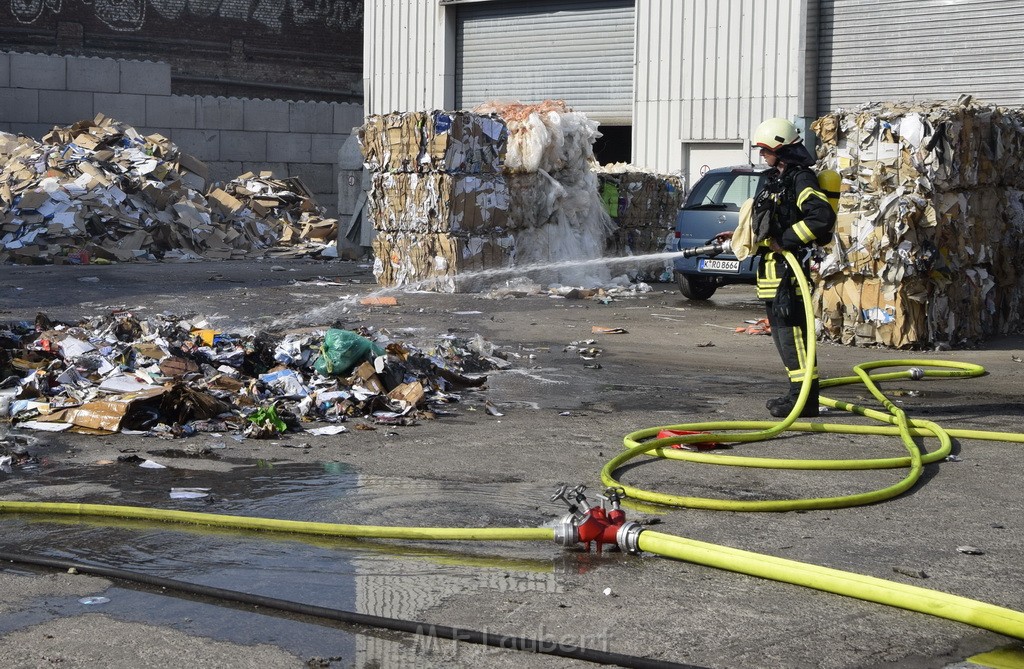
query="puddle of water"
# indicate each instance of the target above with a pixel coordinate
(378, 578)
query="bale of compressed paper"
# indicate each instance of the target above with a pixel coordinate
(508, 184)
(440, 261)
(560, 222)
(927, 249)
(433, 141)
(548, 136)
(643, 205)
(438, 202)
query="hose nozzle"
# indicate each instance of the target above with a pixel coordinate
(712, 249)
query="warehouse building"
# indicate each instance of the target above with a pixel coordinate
(679, 85)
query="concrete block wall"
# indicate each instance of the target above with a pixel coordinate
(231, 135)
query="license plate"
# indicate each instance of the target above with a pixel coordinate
(717, 265)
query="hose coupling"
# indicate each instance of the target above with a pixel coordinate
(628, 537)
(916, 373)
(566, 533)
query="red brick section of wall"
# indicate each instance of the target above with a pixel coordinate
(280, 49)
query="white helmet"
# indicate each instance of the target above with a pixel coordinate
(776, 133)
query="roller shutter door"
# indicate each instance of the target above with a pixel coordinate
(920, 50)
(580, 52)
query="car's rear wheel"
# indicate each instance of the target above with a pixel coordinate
(696, 287)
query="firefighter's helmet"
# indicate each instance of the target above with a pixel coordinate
(776, 133)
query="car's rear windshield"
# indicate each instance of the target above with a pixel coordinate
(723, 190)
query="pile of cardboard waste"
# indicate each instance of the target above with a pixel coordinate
(929, 244)
(98, 189)
(643, 206)
(173, 376)
(507, 185)
(252, 201)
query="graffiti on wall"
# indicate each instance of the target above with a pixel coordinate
(130, 15)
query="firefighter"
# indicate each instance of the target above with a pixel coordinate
(791, 213)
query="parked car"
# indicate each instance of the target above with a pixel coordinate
(713, 207)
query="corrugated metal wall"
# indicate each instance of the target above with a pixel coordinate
(706, 73)
(408, 58)
(530, 50)
(709, 72)
(920, 50)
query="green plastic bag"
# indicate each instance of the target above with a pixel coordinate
(342, 350)
(266, 418)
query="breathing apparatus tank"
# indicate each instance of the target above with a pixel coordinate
(830, 182)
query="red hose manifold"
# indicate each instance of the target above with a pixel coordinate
(586, 524)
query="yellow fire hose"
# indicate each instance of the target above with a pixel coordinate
(869, 588)
(960, 609)
(640, 442)
(987, 616)
(290, 526)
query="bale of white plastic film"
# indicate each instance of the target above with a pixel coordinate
(555, 206)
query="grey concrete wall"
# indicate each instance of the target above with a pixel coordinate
(231, 135)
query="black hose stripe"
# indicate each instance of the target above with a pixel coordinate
(526, 644)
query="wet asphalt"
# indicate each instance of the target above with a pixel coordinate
(562, 417)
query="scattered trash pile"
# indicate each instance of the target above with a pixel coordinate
(929, 244)
(174, 376)
(99, 190)
(253, 201)
(643, 206)
(14, 453)
(506, 185)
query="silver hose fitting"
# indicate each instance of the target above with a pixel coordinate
(916, 373)
(565, 531)
(711, 249)
(628, 537)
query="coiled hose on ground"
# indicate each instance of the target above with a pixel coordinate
(896, 421)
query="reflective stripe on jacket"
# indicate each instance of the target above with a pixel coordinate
(803, 217)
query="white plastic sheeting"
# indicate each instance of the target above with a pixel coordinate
(554, 191)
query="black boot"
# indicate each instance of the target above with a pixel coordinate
(782, 407)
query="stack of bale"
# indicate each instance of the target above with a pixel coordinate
(505, 185)
(556, 211)
(438, 200)
(929, 243)
(643, 205)
(98, 189)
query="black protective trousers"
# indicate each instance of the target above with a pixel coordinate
(790, 337)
